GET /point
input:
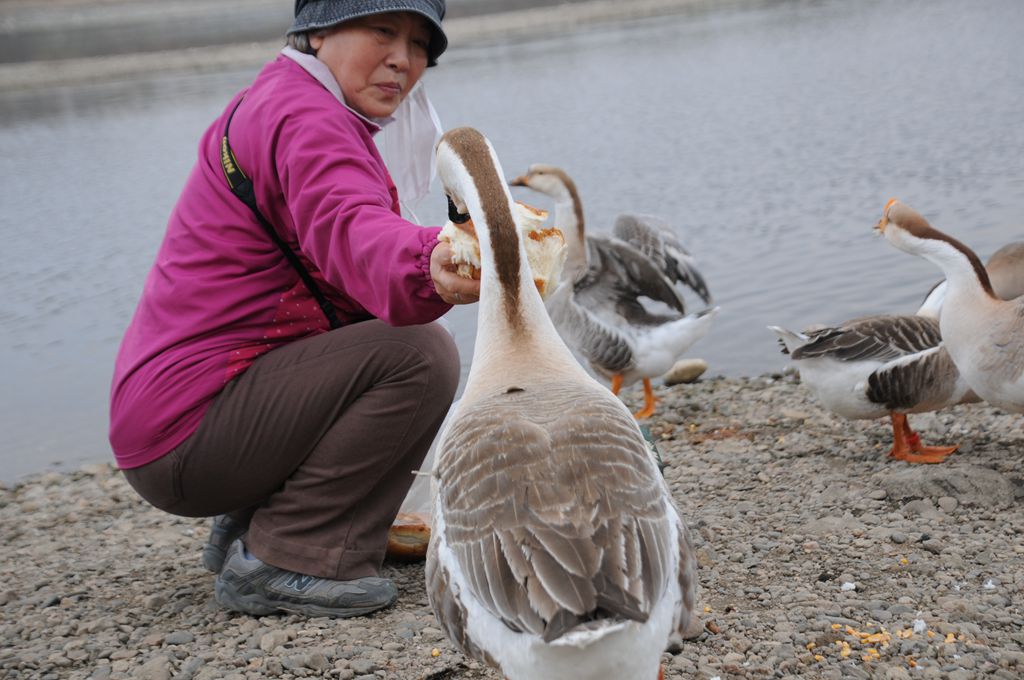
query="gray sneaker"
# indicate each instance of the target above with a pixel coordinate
(223, 532)
(246, 584)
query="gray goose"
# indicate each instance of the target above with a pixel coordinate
(620, 306)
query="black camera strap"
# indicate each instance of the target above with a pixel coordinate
(242, 187)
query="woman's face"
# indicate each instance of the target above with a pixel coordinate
(376, 59)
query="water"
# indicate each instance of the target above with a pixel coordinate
(770, 137)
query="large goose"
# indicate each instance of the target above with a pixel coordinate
(894, 364)
(556, 549)
(620, 306)
(983, 333)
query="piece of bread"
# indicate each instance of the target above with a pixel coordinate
(465, 248)
(408, 537)
(545, 247)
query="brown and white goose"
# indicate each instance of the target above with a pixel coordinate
(894, 364)
(983, 334)
(620, 306)
(556, 551)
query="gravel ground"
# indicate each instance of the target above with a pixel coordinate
(819, 558)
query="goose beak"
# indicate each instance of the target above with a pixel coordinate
(521, 181)
(884, 222)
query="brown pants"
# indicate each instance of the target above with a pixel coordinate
(316, 441)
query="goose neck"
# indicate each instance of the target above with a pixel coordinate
(509, 349)
(569, 220)
(964, 271)
(966, 275)
(966, 290)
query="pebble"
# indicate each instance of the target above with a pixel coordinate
(274, 639)
(922, 506)
(685, 371)
(157, 668)
(179, 637)
(784, 510)
(155, 601)
(363, 666)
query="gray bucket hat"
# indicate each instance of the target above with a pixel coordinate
(311, 15)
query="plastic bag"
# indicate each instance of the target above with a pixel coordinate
(410, 532)
(407, 146)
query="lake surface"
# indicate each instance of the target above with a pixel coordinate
(770, 137)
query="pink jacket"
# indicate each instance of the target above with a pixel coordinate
(220, 293)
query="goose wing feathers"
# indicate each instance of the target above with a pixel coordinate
(617, 274)
(878, 338)
(922, 381)
(656, 241)
(554, 520)
(601, 344)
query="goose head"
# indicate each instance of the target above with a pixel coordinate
(507, 236)
(470, 174)
(909, 231)
(556, 183)
(548, 180)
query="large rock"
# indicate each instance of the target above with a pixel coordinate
(968, 484)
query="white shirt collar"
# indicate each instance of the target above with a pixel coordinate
(322, 73)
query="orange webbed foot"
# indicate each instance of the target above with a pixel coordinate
(925, 456)
(907, 446)
(919, 453)
(644, 413)
(913, 451)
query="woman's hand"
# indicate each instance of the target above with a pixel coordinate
(453, 289)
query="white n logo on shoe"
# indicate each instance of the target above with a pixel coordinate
(298, 582)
